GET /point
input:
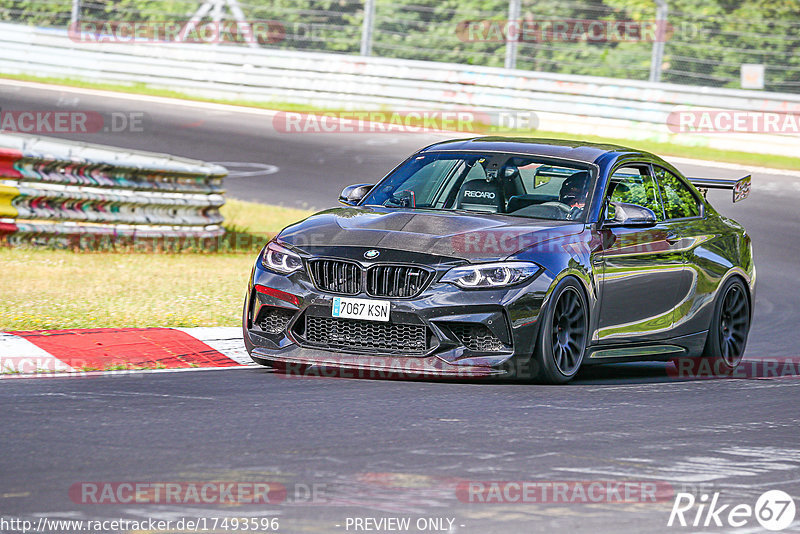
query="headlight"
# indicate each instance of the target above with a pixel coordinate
(280, 259)
(491, 274)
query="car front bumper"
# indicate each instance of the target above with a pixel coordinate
(468, 333)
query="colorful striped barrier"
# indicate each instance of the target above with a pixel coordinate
(52, 190)
(72, 204)
(7, 195)
(96, 237)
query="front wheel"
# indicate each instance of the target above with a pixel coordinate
(730, 324)
(563, 334)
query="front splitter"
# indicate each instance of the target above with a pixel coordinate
(308, 362)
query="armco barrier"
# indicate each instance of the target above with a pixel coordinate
(578, 105)
(58, 192)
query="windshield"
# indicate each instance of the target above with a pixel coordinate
(524, 186)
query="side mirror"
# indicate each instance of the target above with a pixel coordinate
(630, 216)
(353, 194)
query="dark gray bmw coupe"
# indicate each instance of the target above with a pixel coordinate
(508, 257)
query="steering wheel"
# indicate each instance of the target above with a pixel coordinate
(562, 208)
(402, 199)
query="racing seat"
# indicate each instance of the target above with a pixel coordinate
(518, 202)
(480, 195)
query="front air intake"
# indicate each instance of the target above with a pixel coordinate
(477, 337)
(336, 276)
(396, 281)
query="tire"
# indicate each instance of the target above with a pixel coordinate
(727, 332)
(563, 334)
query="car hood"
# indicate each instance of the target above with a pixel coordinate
(468, 236)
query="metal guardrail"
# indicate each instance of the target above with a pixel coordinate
(569, 104)
(59, 192)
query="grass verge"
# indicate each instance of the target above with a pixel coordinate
(55, 289)
(657, 147)
(256, 223)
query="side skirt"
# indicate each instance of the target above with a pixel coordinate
(689, 346)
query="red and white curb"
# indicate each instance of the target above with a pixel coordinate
(97, 351)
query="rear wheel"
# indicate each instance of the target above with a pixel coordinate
(730, 324)
(563, 334)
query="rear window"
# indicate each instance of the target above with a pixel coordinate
(679, 201)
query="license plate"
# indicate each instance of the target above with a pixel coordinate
(364, 309)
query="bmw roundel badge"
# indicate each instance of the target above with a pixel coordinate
(372, 254)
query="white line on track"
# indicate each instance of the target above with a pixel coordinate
(236, 169)
(84, 394)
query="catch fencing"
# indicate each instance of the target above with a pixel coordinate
(703, 42)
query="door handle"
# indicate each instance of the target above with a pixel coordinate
(672, 238)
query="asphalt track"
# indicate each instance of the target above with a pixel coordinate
(399, 448)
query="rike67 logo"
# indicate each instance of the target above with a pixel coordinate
(774, 510)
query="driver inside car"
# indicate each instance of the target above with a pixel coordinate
(573, 193)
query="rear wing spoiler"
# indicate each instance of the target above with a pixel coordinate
(740, 187)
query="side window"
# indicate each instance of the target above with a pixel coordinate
(679, 201)
(634, 185)
(528, 175)
(447, 199)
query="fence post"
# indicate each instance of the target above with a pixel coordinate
(367, 27)
(75, 16)
(657, 57)
(511, 42)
